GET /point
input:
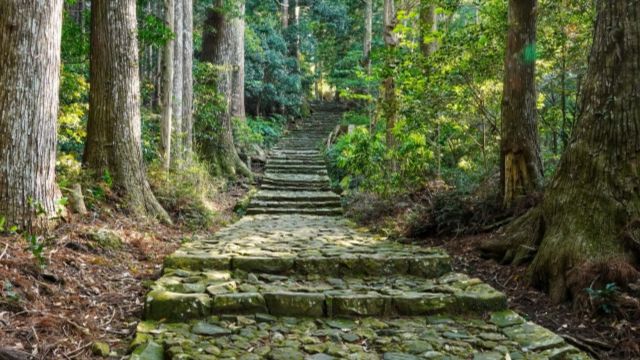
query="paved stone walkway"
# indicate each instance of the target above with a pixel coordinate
(295, 280)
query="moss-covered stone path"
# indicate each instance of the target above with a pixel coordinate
(294, 280)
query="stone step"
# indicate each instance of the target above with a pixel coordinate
(296, 196)
(293, 170)
(292, 162)
(420, 264)
(182, 295)
(299, 211)
(501, 335)
(294, 166)
(280, 187)
(296, 178)
(296, 204)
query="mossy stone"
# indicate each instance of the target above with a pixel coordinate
(430, 266)
(100, 348)
(197, 262)
(175, 306)
(269, 265)
(506, 318)
(295, 304)
(148, 351)
(106, 239)
(240, 303)
(480, 298)
(421, 303)
(357, 305)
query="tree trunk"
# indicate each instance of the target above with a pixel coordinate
(368, 34)
(178, 84)
(521, 165)
(219, 48)
(167, 89)
(237, 96)
(285, 14)
(187, 74)
(113, 132)
(589, 218)
(30, 38)
(428, 26)
(389, 98)
(366, 53)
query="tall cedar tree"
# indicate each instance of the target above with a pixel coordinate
(222, 34)
(521, 165)
(187, 79)
(30, 38)
(587, 229)
(166, 125)
(389, 96)
(113, 133)
(177, 149)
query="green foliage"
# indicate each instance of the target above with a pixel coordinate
(605, 298)
(152, 31)
(208, 103)
(36, 246)
(186, 194)
(9, 291)
(273, 80)
(449, 103)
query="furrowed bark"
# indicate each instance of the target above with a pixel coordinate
(167, 89)
(113, 133)
(591, 210)
(178, 85)
(30, 35)
(521, 165)
(187, 78)
(219, 47)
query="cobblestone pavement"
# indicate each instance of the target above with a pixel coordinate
(295, 280)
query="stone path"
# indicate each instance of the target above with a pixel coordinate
(295, 280)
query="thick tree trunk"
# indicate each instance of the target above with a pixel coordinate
(219, 46)
(167, 89)
(30, 38)
(187, 74)
(389, 97)
(589, 217)
(178, 84)
(113, 132)
(521, 165)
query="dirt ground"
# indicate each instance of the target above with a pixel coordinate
(88, 291)
(601, 336)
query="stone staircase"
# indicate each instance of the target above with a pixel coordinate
(290, 282)
(296, 180)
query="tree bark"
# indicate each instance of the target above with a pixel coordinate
(521, 165)
(167, 88)
(219, 47)
(368, 34)
(187, 74)
(113, 132)
(285, 14)
(428, 26)
(30, 35)
(237, 26)
(389, 97)
(589, 216)
(178, 84)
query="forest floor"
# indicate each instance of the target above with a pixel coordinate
(601, 336)
(92, 288)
